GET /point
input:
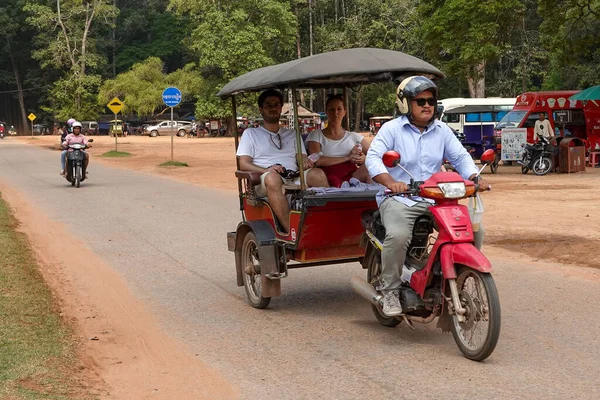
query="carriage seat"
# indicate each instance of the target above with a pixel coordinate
(251, 177)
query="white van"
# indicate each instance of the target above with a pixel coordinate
(87, 126)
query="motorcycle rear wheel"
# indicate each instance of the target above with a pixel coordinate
(541, 166)
(524, 170)
(479, 296)
(373, 263)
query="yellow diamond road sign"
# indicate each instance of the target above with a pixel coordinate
(115, 105)
(31, 117)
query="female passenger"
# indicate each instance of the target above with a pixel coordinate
(344, 152)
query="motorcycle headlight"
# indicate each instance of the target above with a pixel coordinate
(453, 190)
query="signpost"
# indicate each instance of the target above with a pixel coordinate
(115, 105)
(171, 97)
(31, 118)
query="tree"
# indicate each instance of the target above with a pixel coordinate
(571, 31)
(141, 87)
(464, 36)
(14, 44)
(232, 38)
(66, 41)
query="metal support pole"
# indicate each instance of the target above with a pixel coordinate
(115, 133)
(237, 159)
(31, 128)
(299, 157)
(346, 103)
(171, 134)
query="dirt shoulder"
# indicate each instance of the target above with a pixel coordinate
(554, 217)
(124, 353)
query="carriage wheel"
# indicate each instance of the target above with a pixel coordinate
(251, 271)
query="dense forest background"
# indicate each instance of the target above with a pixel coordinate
(68, 58)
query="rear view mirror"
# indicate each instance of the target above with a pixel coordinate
(488, 156)
(91, 140)
(391, 159)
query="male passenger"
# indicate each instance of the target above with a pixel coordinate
(271, 150)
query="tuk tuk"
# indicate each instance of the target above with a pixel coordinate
(325, 225)
(375, 123)
(116, 128)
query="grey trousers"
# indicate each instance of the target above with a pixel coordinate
(398, 220)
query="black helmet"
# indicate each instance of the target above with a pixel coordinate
(409, 88)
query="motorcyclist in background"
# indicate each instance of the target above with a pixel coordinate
(71, 138)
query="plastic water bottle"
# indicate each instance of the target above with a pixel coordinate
(475, 207)
(315, 156)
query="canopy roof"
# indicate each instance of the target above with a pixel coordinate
(349, 67)
(591, 93)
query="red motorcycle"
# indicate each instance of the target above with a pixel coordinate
(451, 278)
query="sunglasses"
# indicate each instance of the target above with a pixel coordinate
(421, 102)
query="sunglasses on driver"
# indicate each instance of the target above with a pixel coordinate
(421, 102)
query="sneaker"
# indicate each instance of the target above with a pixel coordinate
(391, 304)
(62, 172)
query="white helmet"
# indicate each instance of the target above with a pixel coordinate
(76, 124)
(411, 87)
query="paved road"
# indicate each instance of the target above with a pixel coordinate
(319, 340)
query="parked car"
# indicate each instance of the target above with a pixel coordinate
(167, 128)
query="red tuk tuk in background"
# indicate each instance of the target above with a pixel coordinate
(573, 118)
(325, 226)
(375, 123)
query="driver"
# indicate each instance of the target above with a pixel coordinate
(271, 150)
(423, 143)
(72, 138)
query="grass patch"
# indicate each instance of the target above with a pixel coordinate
(113, 153)
(37, 356)
(173, 164)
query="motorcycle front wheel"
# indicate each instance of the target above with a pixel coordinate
(373, 263)
(477, 336)
(541, 166)
(77, 176)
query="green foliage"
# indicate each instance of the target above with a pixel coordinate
(74, 97)
(571, 31)
(232, 38)
(463, 36)
(116, 154)
(141, 88)
(66, 42)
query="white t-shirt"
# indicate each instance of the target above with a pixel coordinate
(263, 146)
(335, 148)
(543, 128)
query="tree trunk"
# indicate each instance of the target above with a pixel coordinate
(114, 44)
(476, 81)
(358, 111)
(19, 88)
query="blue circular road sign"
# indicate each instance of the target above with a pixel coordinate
(171, 96)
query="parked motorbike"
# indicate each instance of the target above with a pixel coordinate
(75, 162)
(537, 158)
(2, 135)
(452, 279)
